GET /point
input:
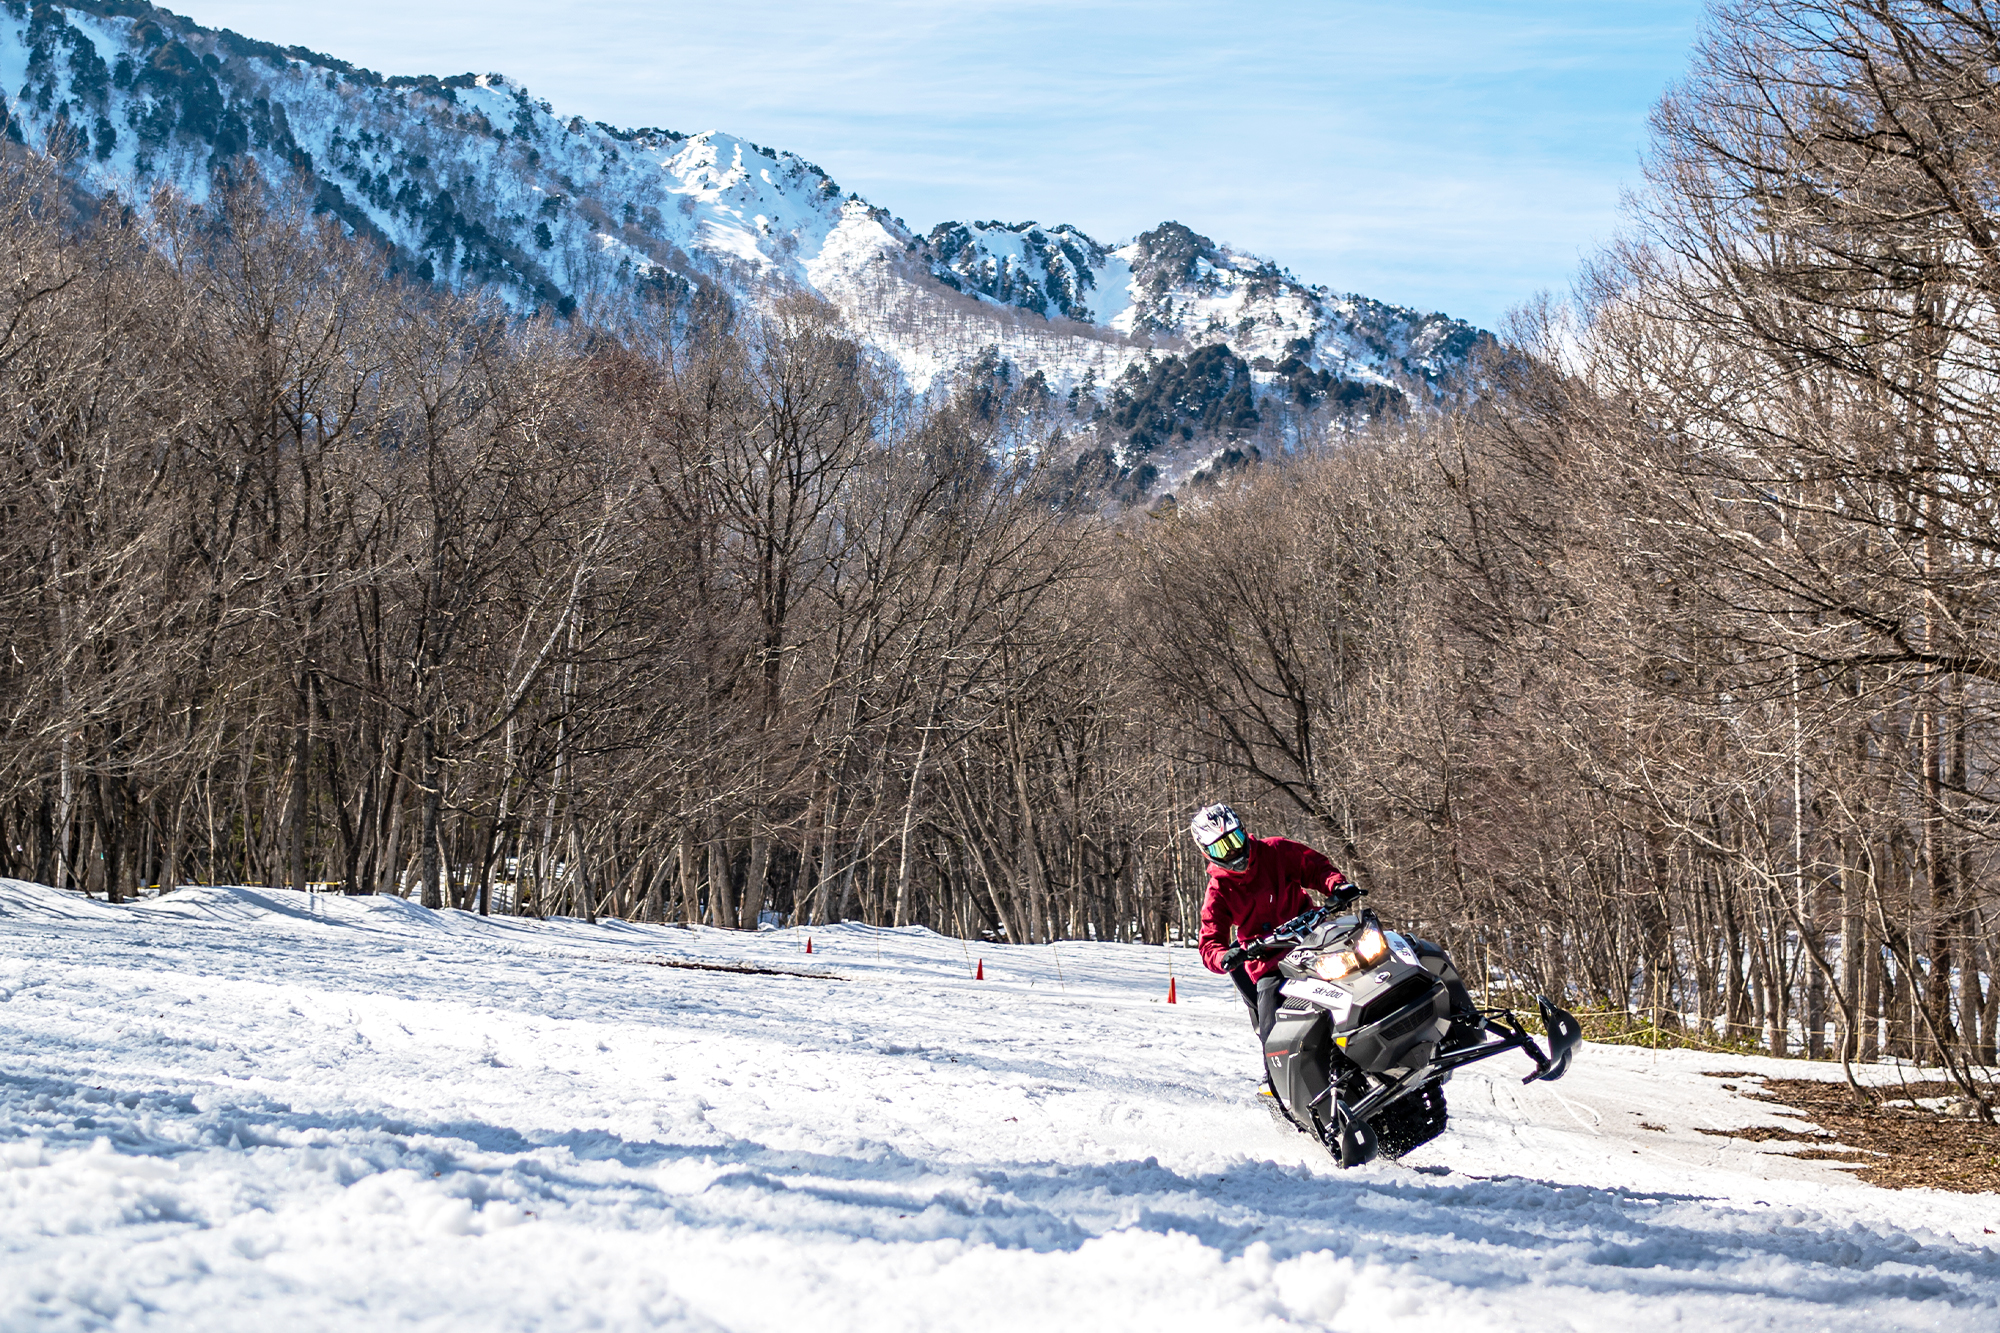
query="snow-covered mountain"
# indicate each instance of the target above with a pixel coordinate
(472, 181)
(1178, 285)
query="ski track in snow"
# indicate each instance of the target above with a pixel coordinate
(251, 1109)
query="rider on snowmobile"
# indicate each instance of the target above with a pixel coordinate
(1254, 886)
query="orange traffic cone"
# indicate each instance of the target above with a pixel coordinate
(809, 944)
(1170, 992)
(980, 974)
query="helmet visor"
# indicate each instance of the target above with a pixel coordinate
(1227, 847)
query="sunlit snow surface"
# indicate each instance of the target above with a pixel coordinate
(250, 1109)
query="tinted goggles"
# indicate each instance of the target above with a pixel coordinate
(1226, 846)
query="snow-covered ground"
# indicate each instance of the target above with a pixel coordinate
(250, 1109)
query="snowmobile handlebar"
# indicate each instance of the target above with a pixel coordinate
(1285, 937)
(1307, 921)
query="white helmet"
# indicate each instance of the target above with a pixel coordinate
(1220, 835)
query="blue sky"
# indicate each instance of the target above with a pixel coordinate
(1455, 156)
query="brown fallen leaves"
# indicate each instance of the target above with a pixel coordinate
(1901, 1146)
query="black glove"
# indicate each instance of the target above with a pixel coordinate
(1234, 957)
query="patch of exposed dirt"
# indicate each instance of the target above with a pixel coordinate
(1833, 1155)
(741, 969)
(1902, 1146)
(1766, 1134)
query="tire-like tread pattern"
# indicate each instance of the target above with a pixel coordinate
(1408, 1124)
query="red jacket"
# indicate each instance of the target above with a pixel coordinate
(1265, 894)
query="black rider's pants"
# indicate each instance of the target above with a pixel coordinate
(1262, 998)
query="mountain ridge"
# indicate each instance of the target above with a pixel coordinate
(469, 180)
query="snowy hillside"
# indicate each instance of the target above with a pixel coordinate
(473, 181)
(238, 1109)
(1175, 283)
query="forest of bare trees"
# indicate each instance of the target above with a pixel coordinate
(1656, 675)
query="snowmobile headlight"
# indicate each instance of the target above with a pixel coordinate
(1335, 964)
(1371, 946)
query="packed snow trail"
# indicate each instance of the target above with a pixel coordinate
(250, 1109)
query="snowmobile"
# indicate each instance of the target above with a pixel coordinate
(1371, 1026)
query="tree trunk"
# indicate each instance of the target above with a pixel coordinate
(754, 889)
(721, 895)
(432, 825)
(690, 883)
(301, 761)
